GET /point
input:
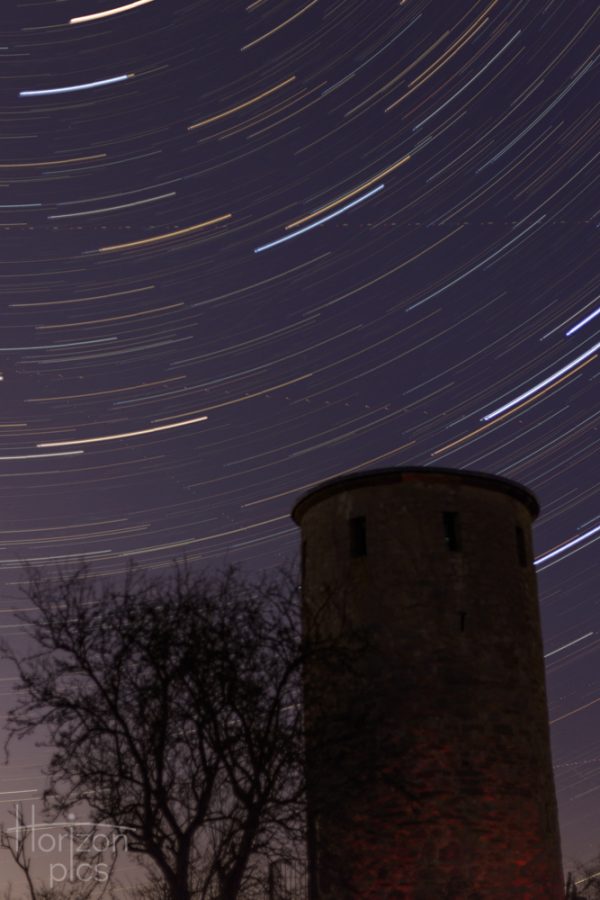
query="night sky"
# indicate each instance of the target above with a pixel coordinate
(245, 248)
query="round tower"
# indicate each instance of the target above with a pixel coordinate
(446, 789)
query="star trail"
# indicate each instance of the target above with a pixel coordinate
(168, 387)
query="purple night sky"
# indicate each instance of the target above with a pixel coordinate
(248, 247)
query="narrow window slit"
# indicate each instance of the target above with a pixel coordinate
(303, 564)
(452, 531)
(463, 617)
(358, 536)
(521, 546)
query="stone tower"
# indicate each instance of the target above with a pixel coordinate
(447, 786)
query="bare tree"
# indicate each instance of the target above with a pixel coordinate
(584, 884)
(172, 707)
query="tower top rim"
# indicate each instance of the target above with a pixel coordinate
(426, 474)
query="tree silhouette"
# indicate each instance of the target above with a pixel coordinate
(172, 707)
(585, 884)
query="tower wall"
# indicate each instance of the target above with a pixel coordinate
(447, 791)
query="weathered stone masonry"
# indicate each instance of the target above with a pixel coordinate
(452, 794)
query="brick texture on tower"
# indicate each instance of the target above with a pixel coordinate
(446, 790)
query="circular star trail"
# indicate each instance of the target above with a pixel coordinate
(247, 247)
